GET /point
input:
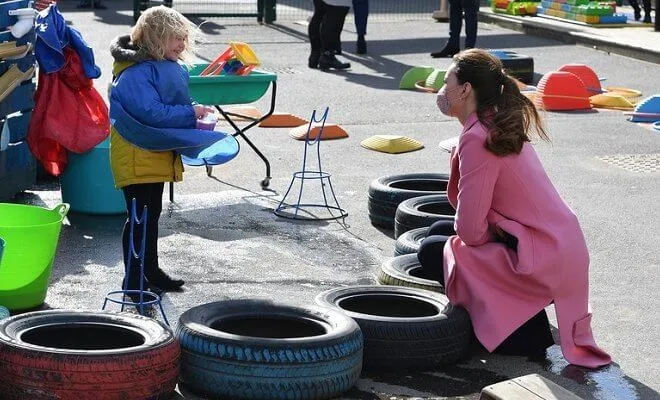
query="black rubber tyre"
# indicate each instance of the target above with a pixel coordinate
(404, 328)
(252, 349)
(387, 192)
(421, 212)
(86, 355)
(517, 65)
(409, 242)
(406, 271)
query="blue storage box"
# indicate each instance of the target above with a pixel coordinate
(17, 125)
(23, 63)
(5, 18)
(8, 37)
(16, 157)
(87, 183)
(20, 99)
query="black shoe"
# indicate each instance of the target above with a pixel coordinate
(647, 18)
(313, 61)
(329, 60)
(361, 45)
(447, 52)
(163, 282)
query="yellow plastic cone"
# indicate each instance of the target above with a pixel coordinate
(611, 100)
(625, 92)
(393, 144)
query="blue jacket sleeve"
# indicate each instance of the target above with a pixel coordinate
(137, 92)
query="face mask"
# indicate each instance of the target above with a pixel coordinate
(443, 101)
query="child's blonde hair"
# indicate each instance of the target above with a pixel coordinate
(156, 25)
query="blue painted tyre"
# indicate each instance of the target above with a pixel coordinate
(254, 349)
(4, 313)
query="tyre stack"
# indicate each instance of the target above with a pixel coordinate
(404, 328)
(387, 192)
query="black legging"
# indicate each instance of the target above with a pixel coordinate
(531, 339)
(149, 194)
(325, 26)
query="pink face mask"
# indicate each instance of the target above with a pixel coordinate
(443, 101)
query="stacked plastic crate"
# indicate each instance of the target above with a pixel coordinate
(515, 7)
(17, 65)
(590, 12)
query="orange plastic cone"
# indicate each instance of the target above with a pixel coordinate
(586, 75)
(248, 111)
(562, 91)
(330, 131)
(282, 120)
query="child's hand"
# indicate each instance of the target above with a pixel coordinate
(202, 111)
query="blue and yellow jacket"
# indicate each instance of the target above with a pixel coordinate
(155, 93)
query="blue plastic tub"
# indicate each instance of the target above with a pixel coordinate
(87, 183)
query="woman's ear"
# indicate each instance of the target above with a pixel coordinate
(467, 90)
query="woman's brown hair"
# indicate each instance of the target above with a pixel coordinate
(506, 112)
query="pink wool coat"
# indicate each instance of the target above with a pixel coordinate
(501, 288)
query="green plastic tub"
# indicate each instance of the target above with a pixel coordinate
(228, 89)
(31, 234)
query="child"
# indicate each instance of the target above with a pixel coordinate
(152, 87)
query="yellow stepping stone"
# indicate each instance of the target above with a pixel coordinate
(393, 144)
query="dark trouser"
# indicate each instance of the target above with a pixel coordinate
(531, 339)
(635, 4)
(150, 195)
(361, 14)
(326, 25)
(456, 9)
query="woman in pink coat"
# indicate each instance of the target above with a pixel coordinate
(518, 246)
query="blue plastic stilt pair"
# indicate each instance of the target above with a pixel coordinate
(302, 211)
(146, 298)
(4, 312)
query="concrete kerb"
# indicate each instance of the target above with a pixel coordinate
(568, 36)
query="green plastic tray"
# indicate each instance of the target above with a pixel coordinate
(228, 89)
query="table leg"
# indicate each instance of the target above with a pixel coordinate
(241, 132)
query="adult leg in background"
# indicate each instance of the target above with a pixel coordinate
(471, 9)
(453, 44)
(361, 15)
(331, 27)
(314, 32)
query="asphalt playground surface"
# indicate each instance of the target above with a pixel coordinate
(222, 237)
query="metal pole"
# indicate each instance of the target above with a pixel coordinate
(657, 7)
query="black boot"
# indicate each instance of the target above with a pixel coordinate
(361, 45)
(447, 52)
(313, 61)
(163, 282)
(329, 60)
